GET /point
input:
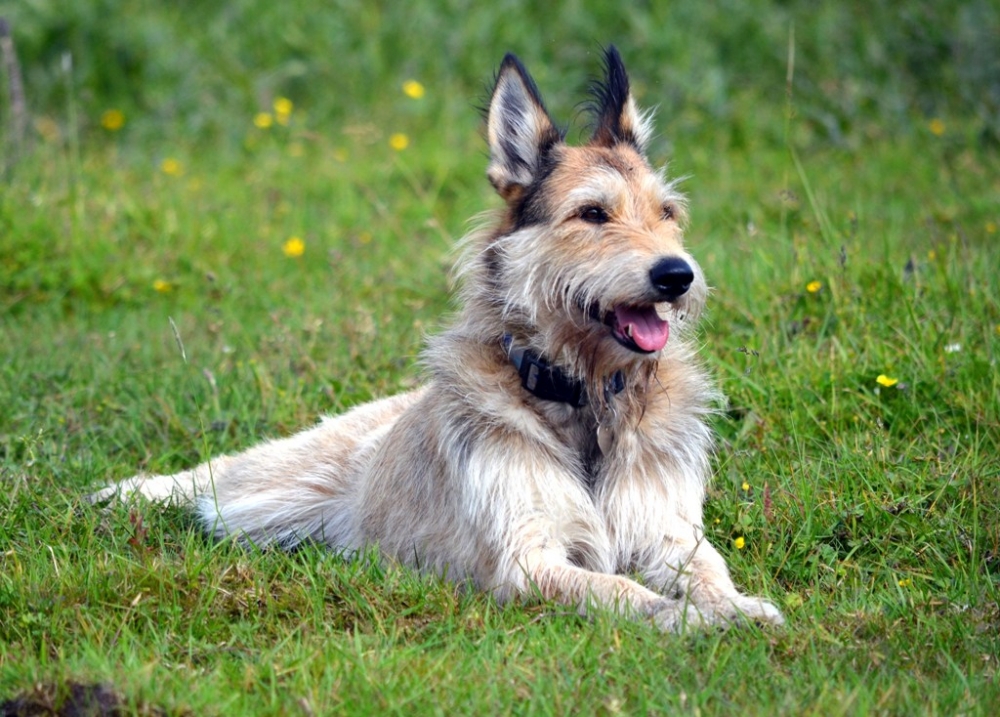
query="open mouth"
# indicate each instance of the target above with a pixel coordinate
(638, 328)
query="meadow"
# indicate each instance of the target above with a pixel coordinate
(225, 220)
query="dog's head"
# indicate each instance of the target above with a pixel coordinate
(588, 265)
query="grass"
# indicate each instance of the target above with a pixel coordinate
(151, 319)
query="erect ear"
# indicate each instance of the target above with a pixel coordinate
(519, 130)
(619, 121)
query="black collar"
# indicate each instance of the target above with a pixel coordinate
(549, 382)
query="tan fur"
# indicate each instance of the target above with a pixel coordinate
(475, 478)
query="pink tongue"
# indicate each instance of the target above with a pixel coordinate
(649, 331)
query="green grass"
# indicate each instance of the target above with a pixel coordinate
(870, 514)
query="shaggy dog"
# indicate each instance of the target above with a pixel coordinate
(560, 442)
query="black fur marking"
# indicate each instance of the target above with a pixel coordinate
(608, 104)
(514, 161)
(592, 460)
(530, 210)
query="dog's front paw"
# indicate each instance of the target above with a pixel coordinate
(758, 610)
(678, 616)
(735, 610)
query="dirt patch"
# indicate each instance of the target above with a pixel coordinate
(73, 699)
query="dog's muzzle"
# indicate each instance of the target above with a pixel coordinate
(640, 327)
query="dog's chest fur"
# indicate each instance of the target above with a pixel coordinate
(576, 429)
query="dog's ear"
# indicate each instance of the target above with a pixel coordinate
(519, 130)
(618, 119)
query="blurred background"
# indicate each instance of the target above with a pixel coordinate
(196, 69)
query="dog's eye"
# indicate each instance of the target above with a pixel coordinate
(594, 215)
(669, 211)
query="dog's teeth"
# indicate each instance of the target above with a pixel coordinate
(628, 330)
(662, 310)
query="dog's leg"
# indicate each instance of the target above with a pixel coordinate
(694, 568)
(556, 579)
(713, 591)
(659, 497)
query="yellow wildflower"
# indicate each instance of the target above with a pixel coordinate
(886, 381)
(991, 228)
(413, 89)
(161, 286)
(263, 120)
(905, 583)
(813, 286)
(294, 247)
(936, 127)
(399, 141)
(931, 255)
(745, 486)
(172, 167)
(112, 120)
(740, 543)
(283, 109)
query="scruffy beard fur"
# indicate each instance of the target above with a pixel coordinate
(476, 478)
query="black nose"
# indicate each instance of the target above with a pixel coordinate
(671, 277)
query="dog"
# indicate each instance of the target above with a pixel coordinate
(560, 443)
